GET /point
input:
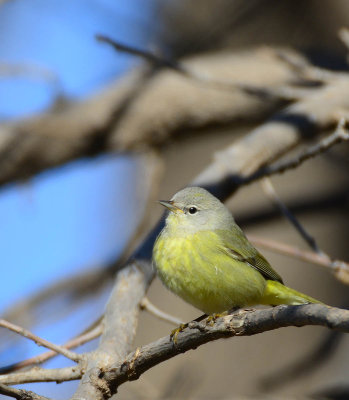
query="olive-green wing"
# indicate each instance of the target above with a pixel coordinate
(237, 245)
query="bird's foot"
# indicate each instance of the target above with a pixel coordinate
(175, 332)
(211, 319)
(181, 328)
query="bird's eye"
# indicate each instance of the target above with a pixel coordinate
(192, 210)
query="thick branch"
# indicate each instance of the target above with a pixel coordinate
(280, 134)
(242, 323)
(120, 320)
(119, 118)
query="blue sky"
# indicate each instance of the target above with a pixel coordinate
(72, 217)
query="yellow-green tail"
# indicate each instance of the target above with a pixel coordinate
(276, 293)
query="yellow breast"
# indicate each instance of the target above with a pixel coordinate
(195, 268)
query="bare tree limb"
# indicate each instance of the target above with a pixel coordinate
(338, 267)
(40, 341)
(119, 118)
(241, 323)
(39, 359)
(20, 394)
(284, 92)
(121, 317)
(43, 375)
(338, 136)
(75, 129)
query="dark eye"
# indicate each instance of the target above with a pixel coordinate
(192, 210)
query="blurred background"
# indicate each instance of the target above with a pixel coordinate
(79, 216)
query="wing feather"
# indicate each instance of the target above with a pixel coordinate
(238, 246)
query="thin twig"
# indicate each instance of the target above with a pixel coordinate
(39, 359)
(340, 268)
(269, 190)
(20, 394)
(145, 54)
(338, 136)
(43, 375)
(40, 341)
(145, 304)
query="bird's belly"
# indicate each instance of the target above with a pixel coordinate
(203, 276)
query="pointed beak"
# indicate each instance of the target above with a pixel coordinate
(170, 205)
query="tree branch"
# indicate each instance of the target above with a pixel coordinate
(40, 341)
(39, 359)
(340, 135)
(20, 394)
(241, 323)
(338, 267)
(37, 374)
(119, 118)
(283, 92)
(120, 322)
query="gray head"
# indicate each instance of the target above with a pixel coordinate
(193, 209)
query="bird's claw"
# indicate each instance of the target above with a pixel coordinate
(211, 319)
(175, 332)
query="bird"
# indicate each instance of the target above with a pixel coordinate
(204, 257)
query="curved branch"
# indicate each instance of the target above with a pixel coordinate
(107, 378)
(241, 323)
